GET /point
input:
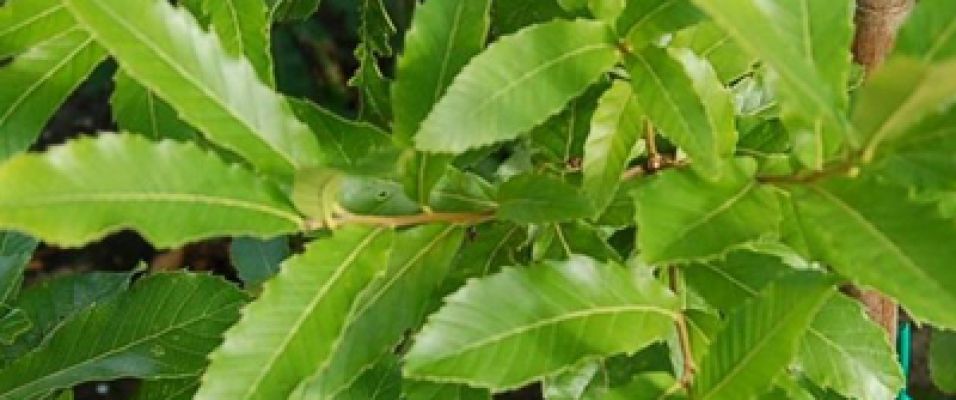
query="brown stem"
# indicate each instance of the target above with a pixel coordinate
(654, 160)
(683, 336)
(876, 24)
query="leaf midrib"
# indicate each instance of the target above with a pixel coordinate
(782, 322)
(901, 256)
(493, 98)
(580, 314)
(192, 80)
(14, 106)
(32, 19)
(134, 343)
(308, 311)
(159, 197)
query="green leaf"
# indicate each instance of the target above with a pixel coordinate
(170, 192)
(806, 43)
(615, 128)
(375, 33)
(419, 390)
(873, 234)
(257, 260)
(649, 386)
(168, 389)
(244, 28)
(186, 316)
(684, 99)
(714, 44)
(532, 199)
(164, 48)
(643, 22)
(842, 348)
(292, 10)
(921, 158)
(489, 100)
(459, 191)
(51, 303)
(929, 32)
(138, 110)
(684, 217)
(471, 341)
(509, 16)
(444, 36)
(382, 381)
(488, 248)
(348, 146)
(27, 23)
(727, 283)
(901, 94)
(848, 352)
(15, 251)
(562, 241)
(942, 364)
(560, 140)
(37, 81)
(421, 172)
(391, 306)
(760, 338)
(13, 323)
(292, 329)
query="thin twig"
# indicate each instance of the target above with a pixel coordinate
(683, 337)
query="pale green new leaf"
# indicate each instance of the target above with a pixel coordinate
(806, 43)
(471, 341)
(846, 351)
(942, 364)
(170, 322)
(683, 98)
(684, 217)
(615, 128)
(875, 235)
(532, 199)
(164, 48)
(392, 305)
(900, 95)
(51, 303)
(760, 338)
(170, 192)
(649, 386)
(292, 329)
(26, 23)
(244, 28)
(38, 80)
(443, 37)
(509, 89)
(138, 110)
(929, 32)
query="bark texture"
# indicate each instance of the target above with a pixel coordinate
(877, 22)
